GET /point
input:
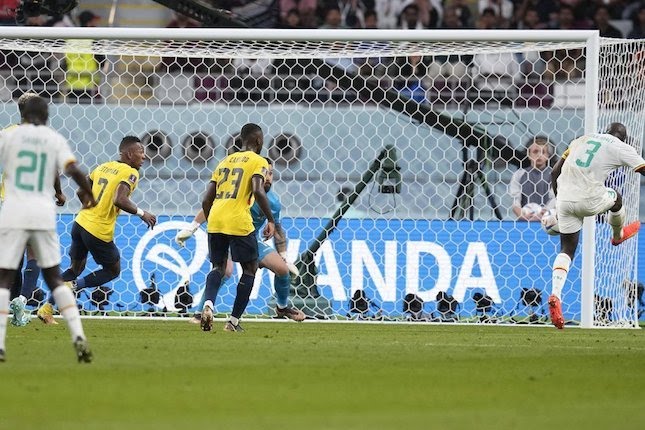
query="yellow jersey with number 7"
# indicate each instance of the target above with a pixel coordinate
(100, 220)
(231, 210)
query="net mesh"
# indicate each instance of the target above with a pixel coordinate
(427, 141)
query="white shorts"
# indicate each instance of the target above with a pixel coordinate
(571, 214)
(44, 243)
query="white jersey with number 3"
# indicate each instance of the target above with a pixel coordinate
(31, 156)
(588, 162)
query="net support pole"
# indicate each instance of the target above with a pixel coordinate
(589, 225)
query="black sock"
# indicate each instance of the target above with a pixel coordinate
(244, 288)
(69, 275)
(213, 282)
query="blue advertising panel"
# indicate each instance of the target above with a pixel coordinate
(385, 258)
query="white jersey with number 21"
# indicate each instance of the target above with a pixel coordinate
(31, 156)
(588, 162)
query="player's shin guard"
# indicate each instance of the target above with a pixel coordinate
(67, 307)
(32, 272)
(281, 285)
(4, 314)
(617, 221)
(561, 266)
(244, 288)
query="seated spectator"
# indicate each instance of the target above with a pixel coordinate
(370, 19)
(638, 29)
(352, 13)
(531, 184)
(601, 21)
(333, 18)
(453, 67)
(388, 12)
(431, 12)
(530, 20)
(546, 9)
(306, 10)
(410, 18)
(503, 10)
(291, 19)
(565, 64)
(463, 14)
(488, 20)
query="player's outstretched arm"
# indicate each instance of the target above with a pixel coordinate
(85, 189)
(183, 235)
(263, 201)
(123, 202)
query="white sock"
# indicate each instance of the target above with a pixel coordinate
(66, 303)
(234, 320)
(617, 221)
(208, 304)
(560, 271)
(4, 314)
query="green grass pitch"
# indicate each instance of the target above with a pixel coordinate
(170, 375)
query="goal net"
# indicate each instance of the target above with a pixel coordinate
(405, 162)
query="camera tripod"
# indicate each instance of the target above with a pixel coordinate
(472, 175)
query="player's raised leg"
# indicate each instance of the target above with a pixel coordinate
(616, 219)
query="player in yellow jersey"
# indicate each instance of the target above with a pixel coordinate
(237, 181)
(93, 230)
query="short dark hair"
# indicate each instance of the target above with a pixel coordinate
(23, 99)
(618, 130)
(35, 110)
(127, 141)
(249, 130)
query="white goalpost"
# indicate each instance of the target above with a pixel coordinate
(395, 152)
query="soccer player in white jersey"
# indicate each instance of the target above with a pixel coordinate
(578, 180)
(31, 155)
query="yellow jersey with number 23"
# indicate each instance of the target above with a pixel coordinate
(231, 210)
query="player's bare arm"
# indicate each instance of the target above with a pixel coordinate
(123, 202)
(555, 173)
(59, 195)
(85, 188)
(257, 183)
(209, 198)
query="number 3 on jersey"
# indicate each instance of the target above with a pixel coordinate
(590, 153)
(230, 179)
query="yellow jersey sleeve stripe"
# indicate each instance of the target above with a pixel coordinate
(566, 154)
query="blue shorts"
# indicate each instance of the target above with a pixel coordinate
(264, 250)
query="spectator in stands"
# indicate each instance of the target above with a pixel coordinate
(531, 20)
(546, 9)
(410, 18)
(565, 64)
(503, 10)
(8, 12)
(352, 13)
(638, 29)
(370, 19)
(182, 21)
(82, 70)
(306, 10)
(291, 19)
(616, 8)
(453, 67)
(531, 183)
(333, 18)
(431, 12)
(601, 21)
(388, 12)
(487, 20)
(463, 14)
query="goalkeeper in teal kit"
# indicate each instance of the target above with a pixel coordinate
(272, 258)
